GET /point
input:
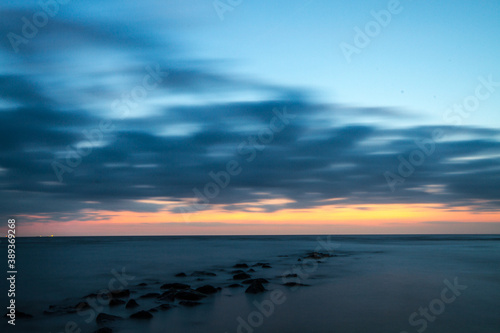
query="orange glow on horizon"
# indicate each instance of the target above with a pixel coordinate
(372, 218)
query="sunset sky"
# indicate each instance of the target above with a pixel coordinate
(250, 117)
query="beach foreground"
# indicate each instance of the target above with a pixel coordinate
(259, 284)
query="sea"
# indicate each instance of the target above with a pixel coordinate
(315, 283)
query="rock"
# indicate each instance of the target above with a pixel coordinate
(207, 289)
(261, 280)
(82, 306)
(241, 276)
(131, 304)
(142, 284)
(318, 255)
(240, 266)
(294, 284)
(150, 295)
(182, 274)
(255, 288)
(260, 264)
(60, 310)
(20, 314)
(299, 259)
(235, 285)
(237, 271)
(251, 270)
(104, 330)
(266, 266)
(120, 293)
(103, 318)
(141, 315)
(189, 295)
(189, 303)
(116, 302)
(290, 275)
(168, 295)
(163, 307)
(175, 286)
(203, 273)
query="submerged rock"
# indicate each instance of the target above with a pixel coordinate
(240, 266)
(249, 281)
(207, 289)
(150, 295)
(175, 286)
(103, 318)
(294, 284)
(241, 276)
(104, 330)
(116, 302)
(191, 295)
(189, 303)
(181, 274)
(131, 304)
(255, 287)
(235, 285)
(203, 273)
(141, 315)
(120, 293)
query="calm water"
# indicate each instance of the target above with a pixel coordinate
(375, 283)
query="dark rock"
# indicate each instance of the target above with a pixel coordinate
(189, 303)
(103, 318)
(82, 306)
(241, 276)
(131, 304)
(203, 273)
(20, 314)
(168, 295)
(150, 295)
(249, 281)
(294, 284)
(207, 289)
(255, 288)
(240, 266)
(237, 271)
(318, 255)
(182, 274)
(189, 295)
(141, 315)
(251, 270)
(260, 264)
(120, 293)
(290, 275)
(104, 330)
(266, 266)
(142, 284)
(163, 307)
(116, 302)
(299, 259)
(175, 286)
(235, 285)
(60, 310)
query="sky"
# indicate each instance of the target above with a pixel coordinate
(202, 117)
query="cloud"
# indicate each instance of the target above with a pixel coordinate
(173, 142)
